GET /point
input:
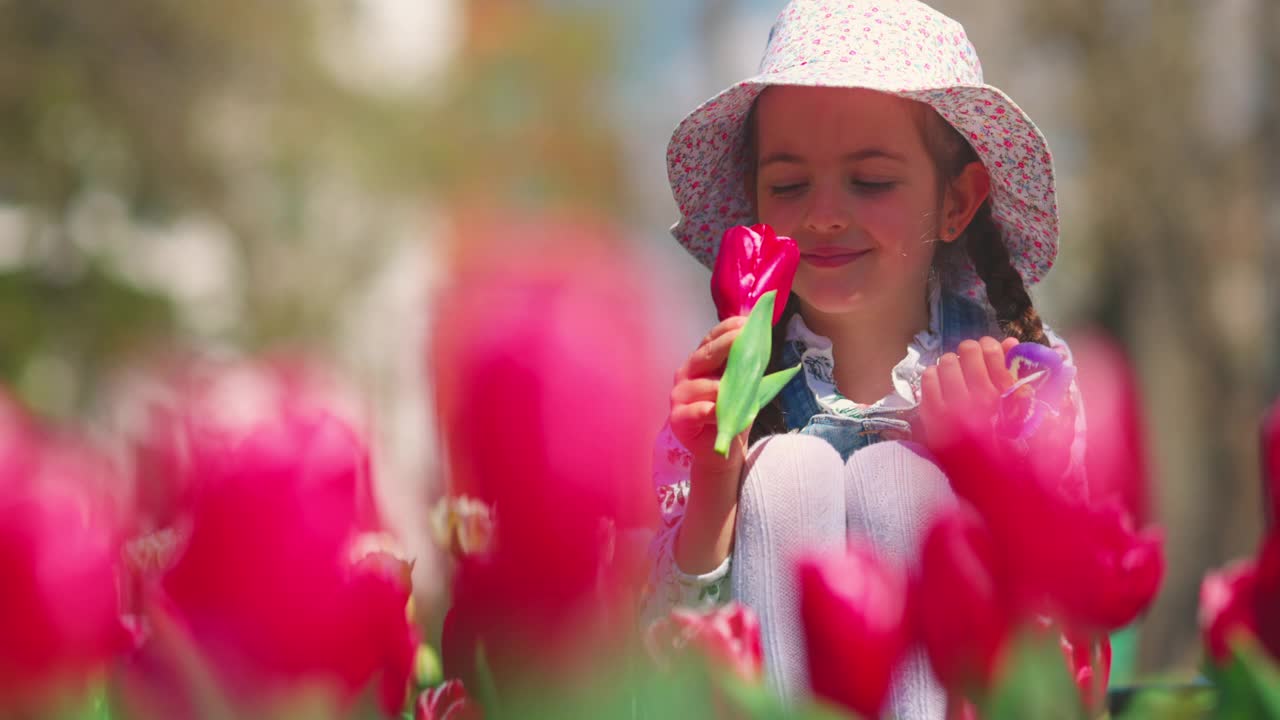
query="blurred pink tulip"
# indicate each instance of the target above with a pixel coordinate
(545, 392)
(729, 636)
(856, 626)
(958, 602)
(1227, 608)
(1271, 462)
(448, 701)
(264, 583)
(59, 544)
(1266, 594)
(1076, 558)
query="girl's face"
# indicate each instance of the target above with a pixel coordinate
(846, 173)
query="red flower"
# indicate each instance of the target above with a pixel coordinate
(1089, 662)
(958, 602)
(728, 636)
(1226, 607)
(854, 609)
(751, 262)
(546, 394)
(266, 586)
(448, 701)
(59, 541)
(1266, 594)
(1066, 555)
(1271, 461)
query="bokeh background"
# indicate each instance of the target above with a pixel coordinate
(241, 177)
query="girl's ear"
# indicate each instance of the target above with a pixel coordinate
(964, 195)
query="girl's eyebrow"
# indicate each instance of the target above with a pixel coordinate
(863, 154)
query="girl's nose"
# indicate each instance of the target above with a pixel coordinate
(827, 213)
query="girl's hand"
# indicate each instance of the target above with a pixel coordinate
(967, 381)
(693, 406)
(971, 380)
(706, 536)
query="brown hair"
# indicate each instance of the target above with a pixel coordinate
(981, 243)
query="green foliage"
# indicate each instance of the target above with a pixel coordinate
(738, 399)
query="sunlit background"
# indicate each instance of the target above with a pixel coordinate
(242, 177)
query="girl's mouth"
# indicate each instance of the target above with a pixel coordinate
(832, 259)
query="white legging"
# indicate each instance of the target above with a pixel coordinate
(798, 496)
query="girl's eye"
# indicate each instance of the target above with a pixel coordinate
(786, 190)
(869, 187)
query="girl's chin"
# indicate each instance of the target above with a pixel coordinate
(832, 303)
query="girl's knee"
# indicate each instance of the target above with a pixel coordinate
(781, 467)
(899, 453)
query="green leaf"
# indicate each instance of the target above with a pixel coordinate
(1249, 685)
(486, 692)
(1036, 684)
(771, 385)
(427, 671)
(740, 385)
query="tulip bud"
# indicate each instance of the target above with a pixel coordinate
(854, 609)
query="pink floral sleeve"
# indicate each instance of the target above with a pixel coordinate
(668, 586)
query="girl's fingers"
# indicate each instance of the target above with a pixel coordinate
(951, 380)
(711, 357)
(724, 326)
(1009, 343)
(973, 365)
(993, 354)
(930, 400)
(694, 390)
(688, 420)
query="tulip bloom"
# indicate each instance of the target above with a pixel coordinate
(854, 609)
(1266, 594)
(547, 399)
(59, 608)
(448, 701)
(728, 636)
(958, 602)
(1227, 607)
(265, 585)
(1079, 560)
(1271, 462)
(751, 262)
(1089, 662)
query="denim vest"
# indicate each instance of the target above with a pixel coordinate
(961, 319)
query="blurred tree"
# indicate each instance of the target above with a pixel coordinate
(230, 116)
(1179, 232)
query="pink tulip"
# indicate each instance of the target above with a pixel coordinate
(751, 262)
(958, 602)
(1226, 607)
(1073, 557)
(728, 636)
(854, 609)
(1266, 594)
(548, 400)
(1089, 662)
(265, 585)
(59, 543)
(1271, 462)
(448, 701)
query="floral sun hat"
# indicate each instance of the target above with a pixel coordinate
(901, 47)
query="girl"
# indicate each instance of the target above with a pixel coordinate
(922, 201)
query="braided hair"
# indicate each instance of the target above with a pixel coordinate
(981, 242)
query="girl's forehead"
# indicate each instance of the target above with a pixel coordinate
(819, 117)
